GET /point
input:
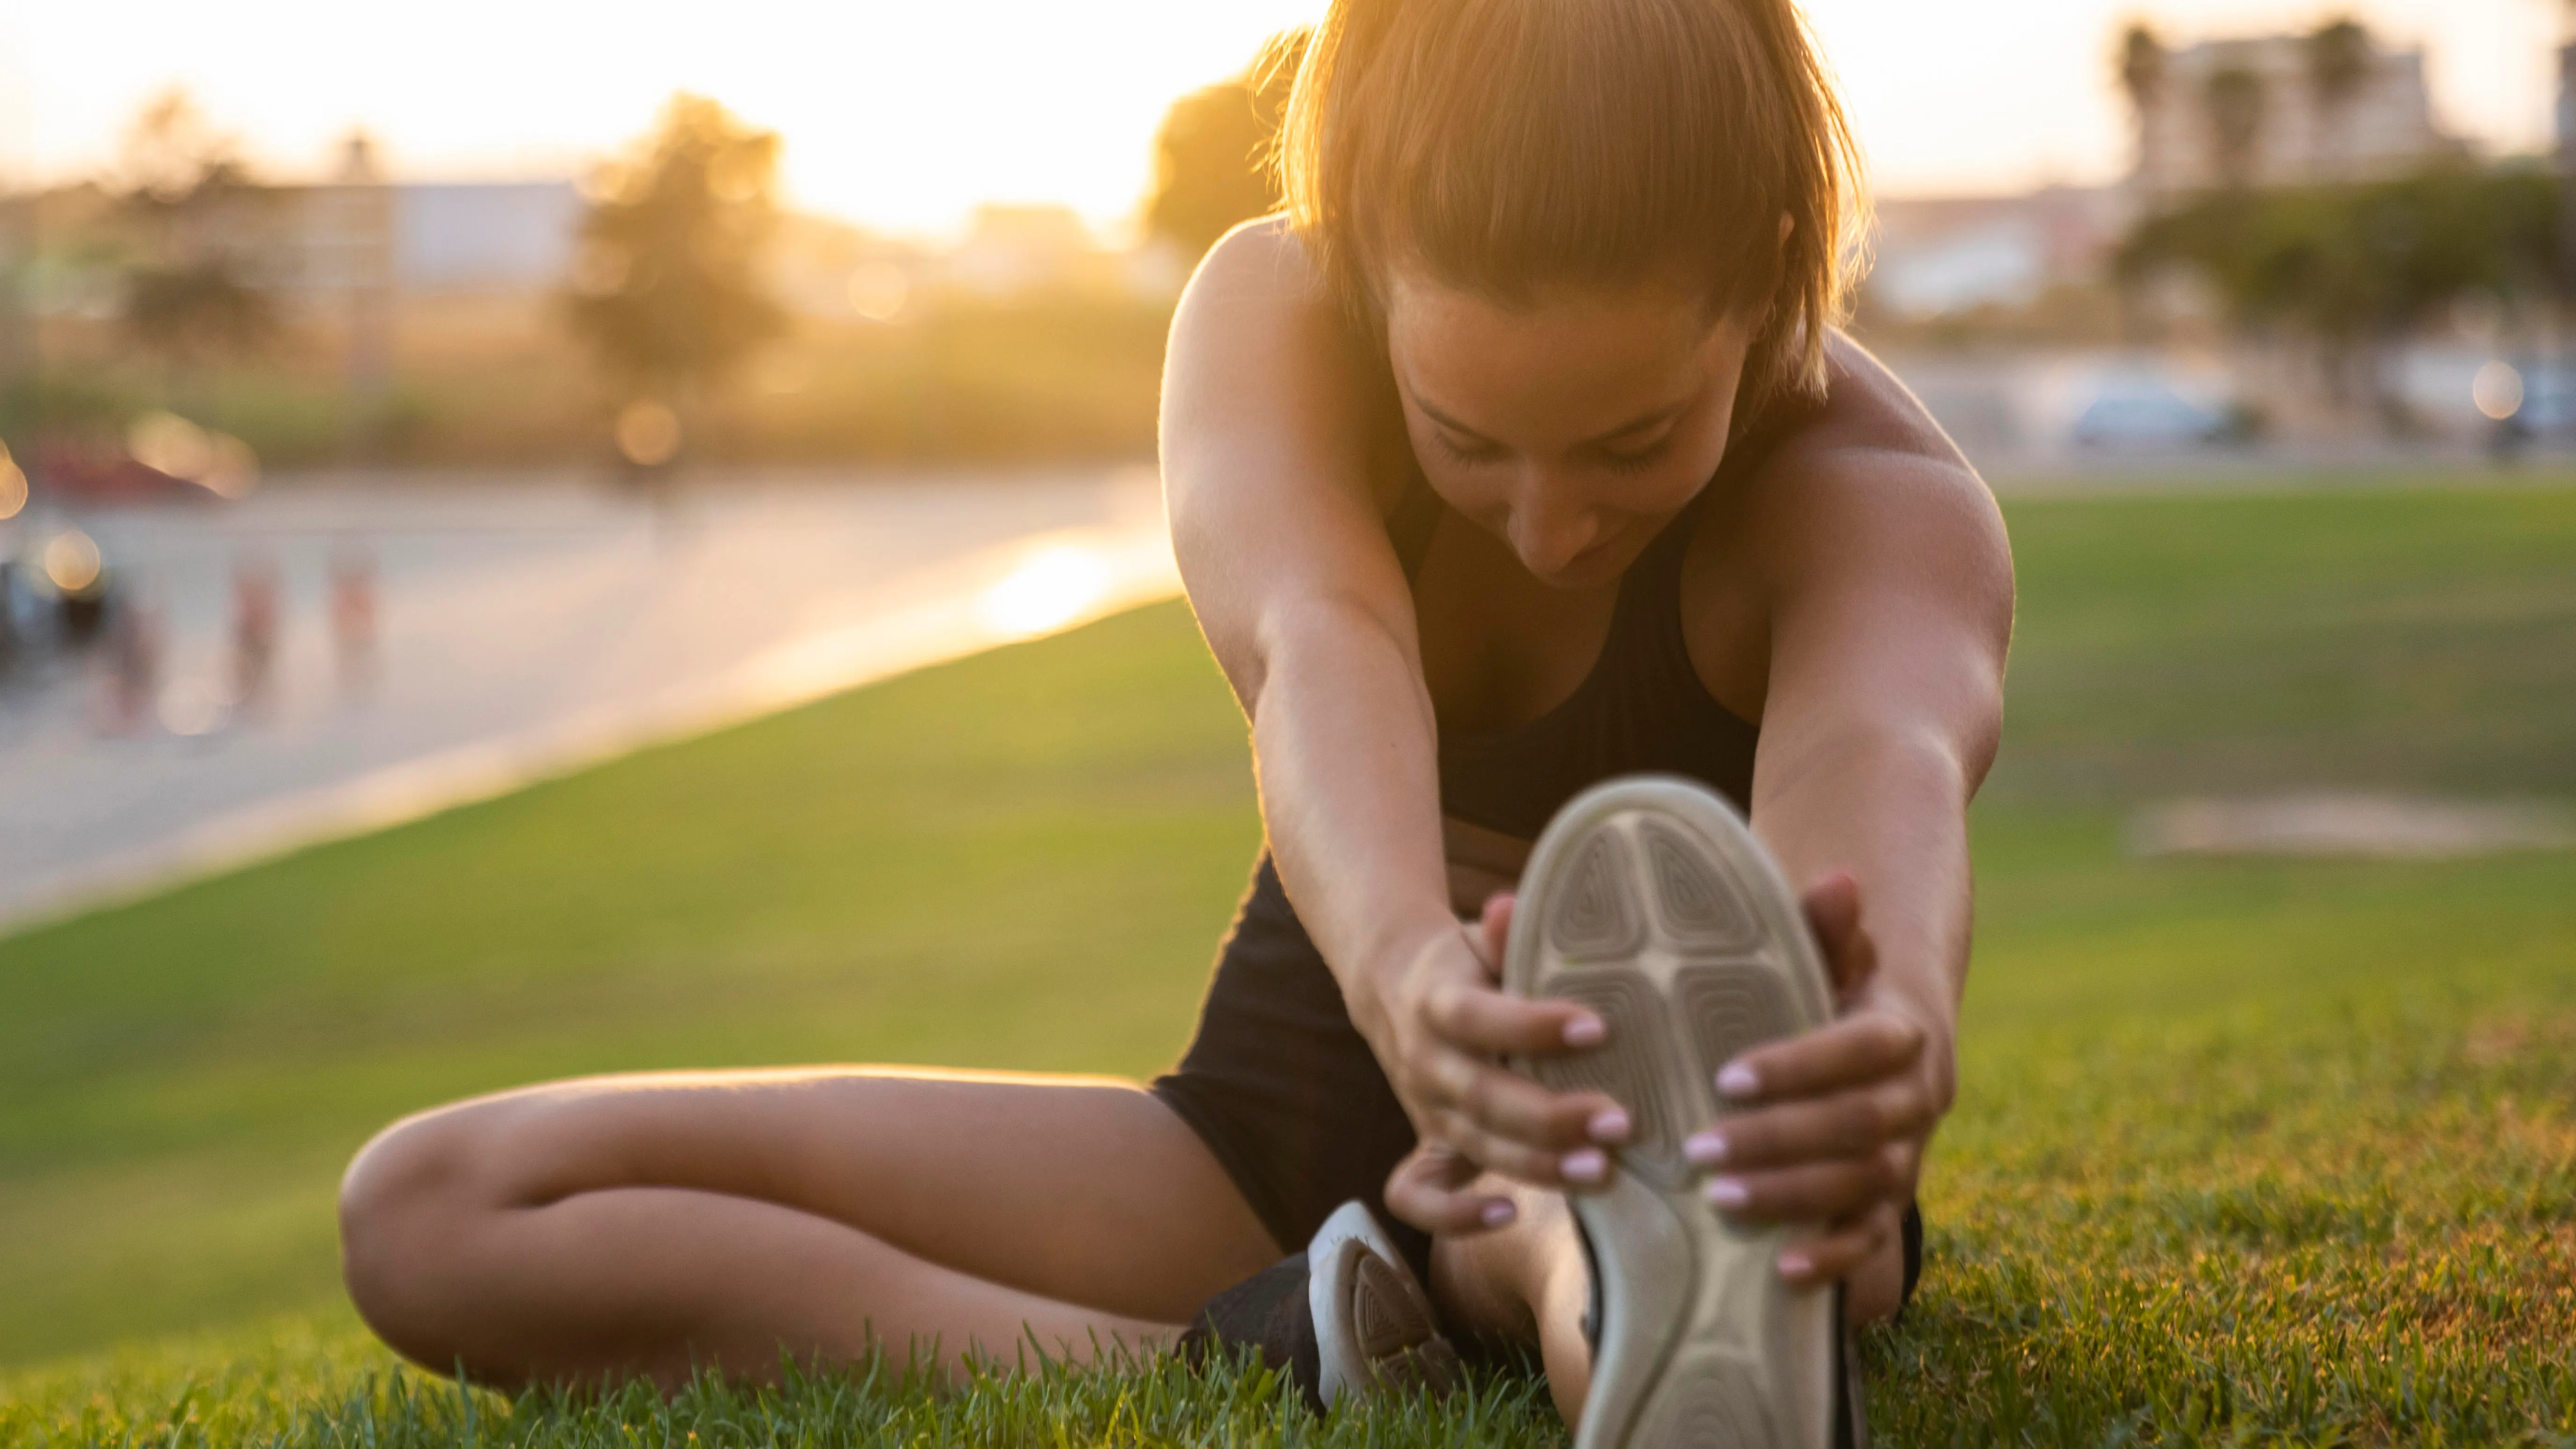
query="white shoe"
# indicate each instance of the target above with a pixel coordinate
(1374, 1327)
(1649, 901)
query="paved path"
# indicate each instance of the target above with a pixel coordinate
(523, 630)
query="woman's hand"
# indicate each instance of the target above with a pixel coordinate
(1834, 1122)
(1438, 1024)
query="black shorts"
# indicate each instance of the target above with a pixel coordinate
(1288, 1096)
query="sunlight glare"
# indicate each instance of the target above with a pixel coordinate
(1055, 586)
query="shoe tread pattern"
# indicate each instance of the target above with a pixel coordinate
(1385, 1319)
(1702, 909)
(1633, 1066)
(1594, 916)
(1710, 1406)
(1731, 1007)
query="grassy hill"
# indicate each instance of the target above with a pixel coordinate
(2244, 1148)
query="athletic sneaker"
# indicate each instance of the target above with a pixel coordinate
(1346, 1316)
(1649, 901)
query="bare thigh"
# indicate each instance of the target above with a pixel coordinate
(640, 1223)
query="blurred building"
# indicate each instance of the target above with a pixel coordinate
(2272, 111)
(1939, 256)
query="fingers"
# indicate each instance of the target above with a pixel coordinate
(1493, 931)
(1832, 907)
(1814, 1192)
(1836, 1253)
(1480, 1019)
(1481, 1108)
(1433, 1189)
(1865, 1046)
(1846, 1124)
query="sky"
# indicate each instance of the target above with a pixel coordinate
(905, 115)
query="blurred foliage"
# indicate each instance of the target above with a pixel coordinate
(2355, 269)
(1212, 158)
(192, 210)
(669, 291)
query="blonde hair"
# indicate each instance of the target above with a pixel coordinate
(1502, 145)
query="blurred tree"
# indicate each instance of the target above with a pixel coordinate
(2141, 68)
(198, 219)
(2235, 102)
(2142, 65)
(2356, 269)
(2339, 65)
(1212, 157)
(669, 291)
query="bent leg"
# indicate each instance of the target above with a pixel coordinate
(599, 1229)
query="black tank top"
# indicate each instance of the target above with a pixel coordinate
(1641, 708)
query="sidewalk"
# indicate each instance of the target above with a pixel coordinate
(522, 630)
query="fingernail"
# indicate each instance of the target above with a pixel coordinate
(1796, 1265)
(1497, 1213)
(1728, 1192)
(1609, 1125)
(1586, 1165)
(1705, 1149)
(1586, 1031)
(1738, 1080)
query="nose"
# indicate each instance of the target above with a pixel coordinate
(1549, 529)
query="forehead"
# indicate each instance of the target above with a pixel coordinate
(1573, 356)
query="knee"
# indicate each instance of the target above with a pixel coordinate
(409, 1205)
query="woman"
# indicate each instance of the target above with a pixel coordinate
(1520, 454)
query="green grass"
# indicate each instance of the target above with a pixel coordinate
(2273, 1151)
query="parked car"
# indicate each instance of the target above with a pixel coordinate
(2147, 413)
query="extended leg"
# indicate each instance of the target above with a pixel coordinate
(598, 1229)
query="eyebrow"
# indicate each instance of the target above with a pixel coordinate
(1638, 424)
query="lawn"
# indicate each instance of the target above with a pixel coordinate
(2245, 1150)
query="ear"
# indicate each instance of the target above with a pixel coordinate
(1788, 224)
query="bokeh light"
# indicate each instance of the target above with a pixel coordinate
(878, 291)
(72, 562)
(648, 434)
(13, 485)
(169, 443)
(1055, 586)
(193, 707)
(2497, 390)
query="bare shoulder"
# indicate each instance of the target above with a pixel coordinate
(1261, 262)
(1267, 385)
(1872, 494)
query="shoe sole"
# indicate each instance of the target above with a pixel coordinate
(1374, 1328)
(1649, 901)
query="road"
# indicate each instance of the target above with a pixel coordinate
(521, 629)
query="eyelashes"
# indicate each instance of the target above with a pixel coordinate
(1638, 461)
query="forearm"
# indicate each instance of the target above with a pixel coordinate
(1890, 809)
(1344, 751)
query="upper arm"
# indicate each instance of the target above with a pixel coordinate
(1890, 585)
(1267, 435)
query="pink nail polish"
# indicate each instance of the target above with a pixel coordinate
(1586, 1031)
(1586, 1165)
(1796, 1265)
(1738, 1080)
(1729, 1193)
(1610, 1125)
(1497, 1213)
(1705, 1149)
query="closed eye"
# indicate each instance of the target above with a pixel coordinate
(1633, 460)
(1468, 453)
